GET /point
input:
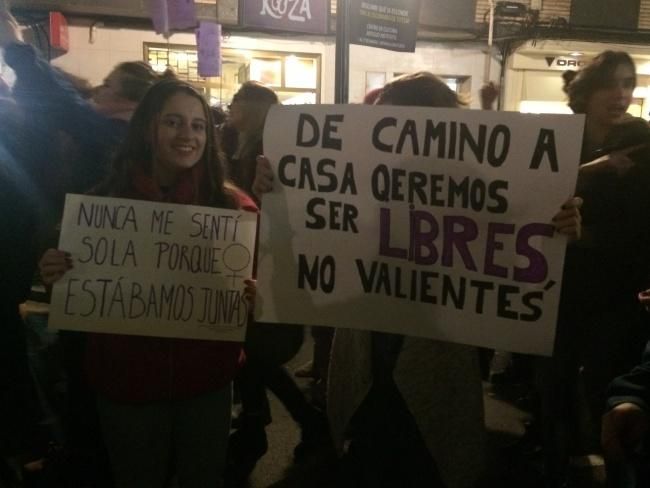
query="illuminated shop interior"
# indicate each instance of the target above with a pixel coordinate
(295, 77)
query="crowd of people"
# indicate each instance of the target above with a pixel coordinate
(420, 422)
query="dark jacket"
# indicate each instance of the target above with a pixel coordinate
(53, 107)
(19, 407)
(633, 387)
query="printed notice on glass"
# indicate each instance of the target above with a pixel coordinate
(386, 24)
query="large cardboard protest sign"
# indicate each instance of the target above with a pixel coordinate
(154, 269)
(425, 222)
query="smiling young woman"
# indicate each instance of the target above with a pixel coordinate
(179, 138)
(164, 404)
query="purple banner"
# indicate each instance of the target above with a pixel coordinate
(208, 41)
(308, 16)
(159, 16)
(182, 14)
(168, 15)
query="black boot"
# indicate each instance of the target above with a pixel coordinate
(246, 446)
(314, 436)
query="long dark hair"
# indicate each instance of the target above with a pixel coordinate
(421, 89)
(136, 77)
(580, 85)
(137, 151)
(256, 100)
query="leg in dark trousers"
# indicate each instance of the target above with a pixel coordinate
(84, 440)
(322, 345)
(21, 434)
(268, 348)
(387, 449)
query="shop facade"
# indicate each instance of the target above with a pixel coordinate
(300, 68)
(534, 75)
(293, 66)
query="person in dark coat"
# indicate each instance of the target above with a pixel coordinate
(626, 425)
(599, 332)
(21, 435)
(63, 142)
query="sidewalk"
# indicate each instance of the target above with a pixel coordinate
(511, 463)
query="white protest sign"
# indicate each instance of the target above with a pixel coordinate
(154, 269)
(425, 222)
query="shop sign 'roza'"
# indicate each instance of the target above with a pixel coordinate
(294, 10)
(308, 16)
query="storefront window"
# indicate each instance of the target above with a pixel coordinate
(544, 107)
(377, 79)
(267, 71)
(640, 106)
(295, 77)
(300, 72)
(535, 104)
(458, 84)
(184, 62)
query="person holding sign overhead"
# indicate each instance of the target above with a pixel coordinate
(75, 136)
(418, 421)
(164, 404)
(64, 143)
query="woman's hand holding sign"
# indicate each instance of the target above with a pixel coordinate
(568, 220)
(53, 265)
(263, 182)
(250, 292)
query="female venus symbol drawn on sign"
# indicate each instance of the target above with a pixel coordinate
(236, 258)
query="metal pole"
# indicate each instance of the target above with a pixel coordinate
(342, 66)
(488, 56)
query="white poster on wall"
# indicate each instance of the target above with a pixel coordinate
(426, 222)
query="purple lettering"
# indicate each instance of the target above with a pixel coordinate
(458, 238)
(493, 245)
(537, 270)
(384, 237)
(423, 239)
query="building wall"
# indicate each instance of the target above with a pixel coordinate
(92, 57)
(644, 15)
(551, 9)
(530, 78)
(453, 60)
(561, 8)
